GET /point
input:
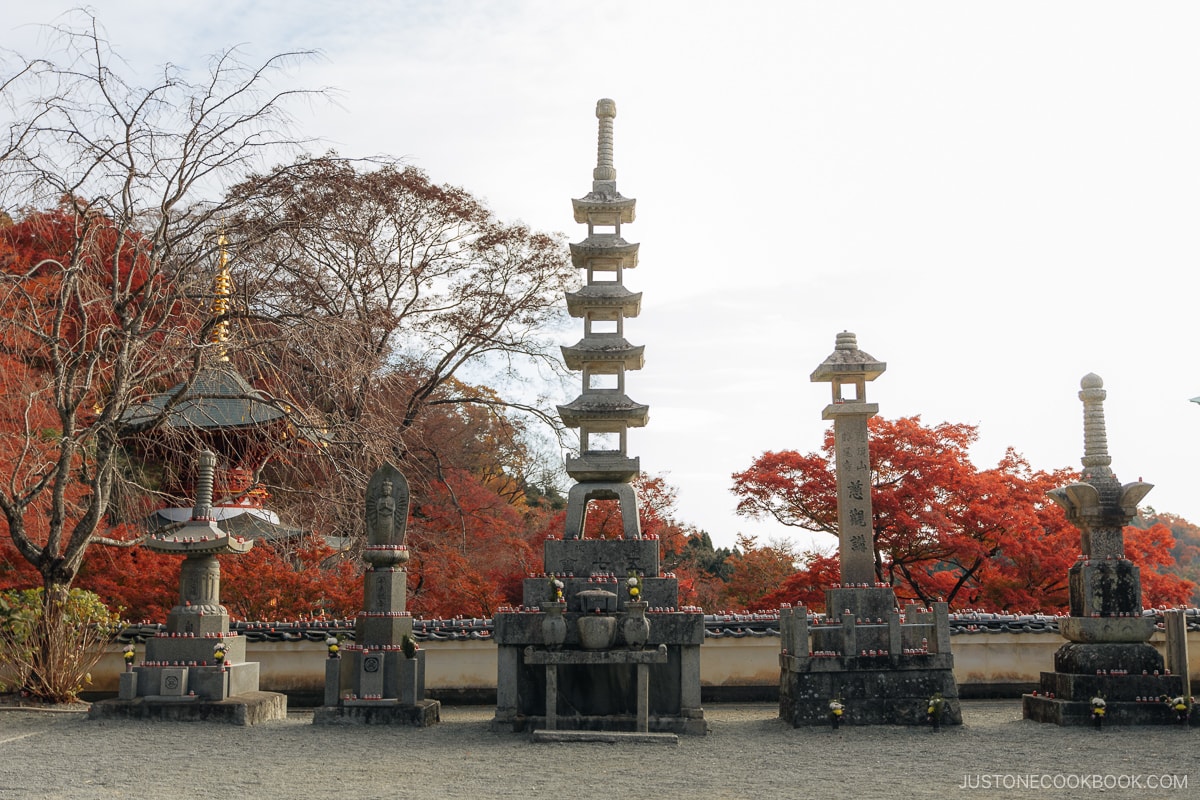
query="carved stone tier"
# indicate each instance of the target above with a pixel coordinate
(597, 407)
(581, 558)
(603, 467)
(1108, 588)
(604, 208)
(604, 250)
(604, 297)
(604, 349)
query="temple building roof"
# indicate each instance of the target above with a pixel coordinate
(219, 398)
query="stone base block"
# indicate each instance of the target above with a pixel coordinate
(197, 649)
(253, 708)
(380, 630)
(580, 556)
(189, 621)
(1106, 629)
(1106, 587)
(1086, 659)
(204, 683)
(1079, 712)
(870, 697)
(868, 602)
(423, 714)
(1128, 688)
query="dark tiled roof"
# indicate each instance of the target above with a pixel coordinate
(219, 398)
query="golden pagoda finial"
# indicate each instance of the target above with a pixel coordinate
(222, 292)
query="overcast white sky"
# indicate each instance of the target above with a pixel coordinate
(998, 198)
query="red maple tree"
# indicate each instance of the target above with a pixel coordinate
(944, 528)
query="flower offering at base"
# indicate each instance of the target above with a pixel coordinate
(934, 709)
(1182, 706)
(331, 644)
(1099, 709)
(836, 710)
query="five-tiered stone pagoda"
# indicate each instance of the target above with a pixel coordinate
(603, 412)
(599, 646)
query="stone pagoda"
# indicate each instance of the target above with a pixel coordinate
(380, 677)
(882, 664)
(196, 669)
(1107, 654)
(599, 644)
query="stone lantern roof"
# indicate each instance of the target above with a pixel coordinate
(847, 359)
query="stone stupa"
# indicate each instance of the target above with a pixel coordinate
(1107, 654)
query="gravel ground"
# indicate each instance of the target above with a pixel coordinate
(748, 754)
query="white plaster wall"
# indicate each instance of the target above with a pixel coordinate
(979, 659)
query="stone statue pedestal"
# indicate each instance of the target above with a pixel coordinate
(373, 681)
(379, 679)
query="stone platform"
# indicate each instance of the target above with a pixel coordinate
(603, 737)
(420, 714)
(883, 669)
(1084, 670)
(250, 708)
(609, 689)
(1079, 712)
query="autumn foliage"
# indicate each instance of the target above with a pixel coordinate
(944, 528)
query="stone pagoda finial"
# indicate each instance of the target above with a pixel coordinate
(1096, 459)
(206, 466)
(606, 110)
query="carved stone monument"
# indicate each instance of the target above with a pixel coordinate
(599, 644)
(196, 669)
(380, 677)
(880, 664)
(1107, 654)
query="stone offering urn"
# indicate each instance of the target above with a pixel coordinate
(554, 625)
(597, 631)
(634, 626)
